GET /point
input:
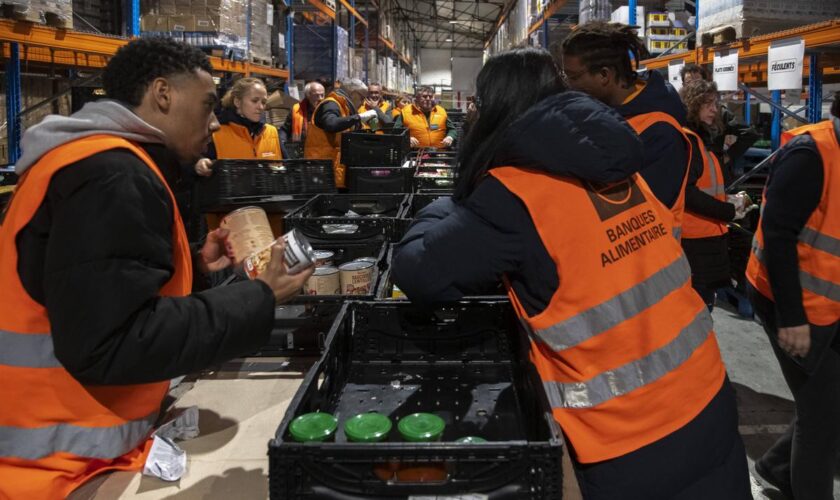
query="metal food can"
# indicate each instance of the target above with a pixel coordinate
(371, 260)
(299, 254)
(250, 232)
(356, 277)
(256, 263)
(324, 258)
(324, 281)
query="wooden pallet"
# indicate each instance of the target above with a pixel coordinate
(261, 61)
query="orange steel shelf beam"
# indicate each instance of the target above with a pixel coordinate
(318, 4)
(502, 17)
(390, 45)
(353, 11)
(549, 11)
(42, 44)
(815, 35)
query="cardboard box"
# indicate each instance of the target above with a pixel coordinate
(154, 22)
(207, 23)
(181, 23)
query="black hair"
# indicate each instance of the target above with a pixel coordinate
(508, 85)
(835, 106)
(599, 44)
(136, 64)
(694, 68)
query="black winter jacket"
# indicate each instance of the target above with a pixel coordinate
(666, 153)
(96, 254)
(453, 250)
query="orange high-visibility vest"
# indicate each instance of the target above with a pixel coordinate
(819, 241)
(384, 107)
(430, 133)
(625, 347)
(233, 141)
(299, 123)
(55, 432)
(323, 145)
(640, 123)
(711, 183)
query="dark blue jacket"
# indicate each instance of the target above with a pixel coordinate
(666, 153)
(452, 250)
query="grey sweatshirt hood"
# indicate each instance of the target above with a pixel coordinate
(100, 117)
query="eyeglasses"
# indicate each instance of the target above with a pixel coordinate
(426, 97)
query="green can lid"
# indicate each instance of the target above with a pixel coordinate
(471, 440)
(313, 427)
(421, 427)
(367, 428)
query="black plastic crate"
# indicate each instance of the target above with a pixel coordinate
(440, 179)
(345, 251)
(387, 148)
(415, 204)
(424, 156)
(467, 363)
(380, 179)
(329, 216)
(300, 329)
(240, 182)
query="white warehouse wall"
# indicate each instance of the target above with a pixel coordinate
(457, 69)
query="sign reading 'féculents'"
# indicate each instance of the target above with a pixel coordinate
(785, 60)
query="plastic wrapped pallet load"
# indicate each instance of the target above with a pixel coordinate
(217, 24)
(58, 13)
(262, 12)
(724, 20)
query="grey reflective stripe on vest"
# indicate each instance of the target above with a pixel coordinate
(633, 375)
(676, 232)
(26, 350)
(90, 442)
(820, 241)
(813, 284)
(716, 188)
(629, 303)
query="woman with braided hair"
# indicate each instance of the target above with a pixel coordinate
(600, 59)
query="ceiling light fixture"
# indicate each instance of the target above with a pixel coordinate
(448, 39)
(453, 21)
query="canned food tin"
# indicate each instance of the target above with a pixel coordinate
(371, 260)
(324, 281)
(299, 253)
(250, 232)
(298, 256)
(324, 258)
(356, 277)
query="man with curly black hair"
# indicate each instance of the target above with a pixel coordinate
(98, 309)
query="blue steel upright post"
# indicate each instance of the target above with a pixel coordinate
(334, 48)
(815, 90)
(545, 33)
(13, 102)
(132, 18)
(747, 110)
(631, 12)
(290, 38)
(776, 121)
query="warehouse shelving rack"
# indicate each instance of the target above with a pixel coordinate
(36, 44)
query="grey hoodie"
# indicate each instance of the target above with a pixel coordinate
(101, 117)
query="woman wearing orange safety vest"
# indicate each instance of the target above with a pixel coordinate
(794, 270)
(707, 209)
(550, 199)
(243, 134)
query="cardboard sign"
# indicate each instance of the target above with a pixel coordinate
(726, 70)
(785, 61)
(674, 69)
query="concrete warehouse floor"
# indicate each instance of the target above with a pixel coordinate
(242, 404)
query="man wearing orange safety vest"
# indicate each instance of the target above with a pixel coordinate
(427, 122)
(597, 60)
(794, 270)
(336, 114)
(297, 123)
(374, 100)
(97, 309)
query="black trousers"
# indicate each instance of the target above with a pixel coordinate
(702, 460)
(805, 457)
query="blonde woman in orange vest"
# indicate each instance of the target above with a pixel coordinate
(551, 201)
(243, 134)
(427, 122)
(98, 317)
(794, 270)
(337, 113)
(708, 209)
(297, 123)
